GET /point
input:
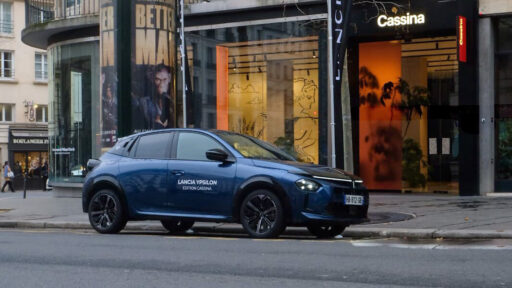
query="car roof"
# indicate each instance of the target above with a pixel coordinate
(209, 131)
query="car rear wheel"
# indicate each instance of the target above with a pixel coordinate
(177, 226)
(326, 231)
(106, 214)
(262, 214)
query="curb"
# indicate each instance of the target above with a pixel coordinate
(354, 232)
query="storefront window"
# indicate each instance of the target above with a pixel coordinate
(74, 121)
(29, 162)
(408, 127)
(267, 81)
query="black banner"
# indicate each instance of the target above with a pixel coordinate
(339, 16)
(340, 13)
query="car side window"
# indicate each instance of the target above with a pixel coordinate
(121, 146)
(155, 146)
(193, 146)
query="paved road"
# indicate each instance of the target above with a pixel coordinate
(86, 259)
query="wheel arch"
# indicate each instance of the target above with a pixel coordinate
(261, 182)
(100, 183)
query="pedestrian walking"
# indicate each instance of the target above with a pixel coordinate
(8, 176)
(44, 174)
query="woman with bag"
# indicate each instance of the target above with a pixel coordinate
(8, 176)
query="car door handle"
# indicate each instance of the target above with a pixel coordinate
(178, 172)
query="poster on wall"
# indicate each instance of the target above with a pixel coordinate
(153, 67)
(108, 81)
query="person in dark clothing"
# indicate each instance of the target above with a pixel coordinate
(8, 176)
(44, 174)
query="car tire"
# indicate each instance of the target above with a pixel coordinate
(262, 214)
(326, 231)
(106, 212)
(177, 226)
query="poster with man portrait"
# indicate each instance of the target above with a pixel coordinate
(153, 93)
(108, 80)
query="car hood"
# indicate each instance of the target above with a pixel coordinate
(306, 169)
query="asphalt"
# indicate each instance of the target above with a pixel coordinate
(414, 216)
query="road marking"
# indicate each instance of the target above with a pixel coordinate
(270, 240)
(438, 246)
(201, 237)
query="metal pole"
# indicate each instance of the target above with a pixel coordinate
(183, 59)
(25, 186)
(331, 85)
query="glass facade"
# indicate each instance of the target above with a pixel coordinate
(268, 81)
(503, 104)
(74, 122)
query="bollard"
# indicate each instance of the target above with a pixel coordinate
(25, 186)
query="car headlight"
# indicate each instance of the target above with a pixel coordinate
(307, 185)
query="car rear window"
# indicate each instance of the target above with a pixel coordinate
(122, 146)
(155, 146)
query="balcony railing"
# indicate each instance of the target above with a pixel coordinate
(42, 11)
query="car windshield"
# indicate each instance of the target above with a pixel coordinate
(254, 148)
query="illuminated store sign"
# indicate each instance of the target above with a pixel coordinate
(462, 43)
(385, 21)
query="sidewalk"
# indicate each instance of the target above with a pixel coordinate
(423, 216)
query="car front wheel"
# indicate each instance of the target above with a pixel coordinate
(177, 226)
(326, 231)
(262, 214)
(106, 214)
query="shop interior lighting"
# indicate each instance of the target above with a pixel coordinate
(314, 54)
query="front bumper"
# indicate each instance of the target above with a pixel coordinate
(327, 205)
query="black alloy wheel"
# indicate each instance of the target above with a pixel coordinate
(106, 214)
(262, 214)
(177, 226)
(326, 231)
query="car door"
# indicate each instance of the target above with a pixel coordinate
(143, 176)
(199, 185)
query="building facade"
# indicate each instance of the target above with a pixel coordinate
(409, 119)
(23, 98)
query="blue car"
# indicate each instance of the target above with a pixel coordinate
(179, 176)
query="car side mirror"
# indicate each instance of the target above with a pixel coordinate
(217, 155)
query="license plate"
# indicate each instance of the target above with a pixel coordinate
(354, 200)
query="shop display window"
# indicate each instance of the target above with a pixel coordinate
(29, 162)
(408, 124)
(263, 81)
(73, 120)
